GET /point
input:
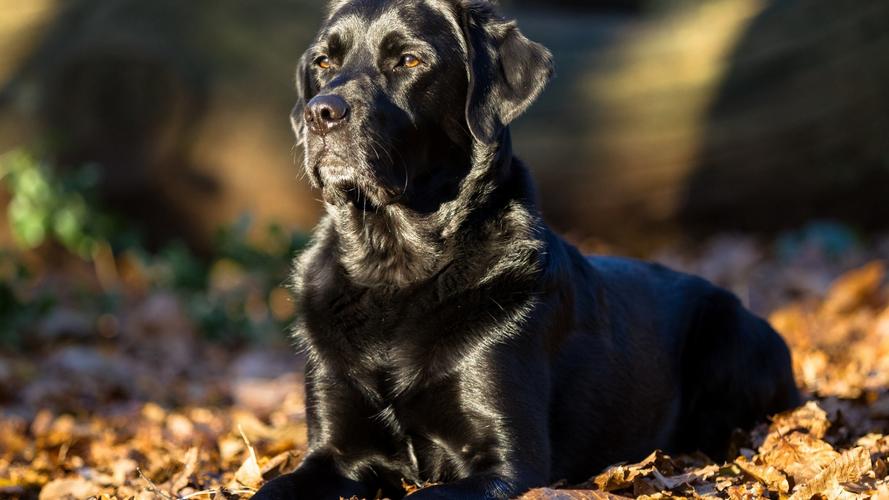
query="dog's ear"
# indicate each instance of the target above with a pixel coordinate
(506, 70)
(306, 89)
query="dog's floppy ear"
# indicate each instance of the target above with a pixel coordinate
(506, 70)
(306, 89)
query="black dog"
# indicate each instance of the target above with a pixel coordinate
(451, 337)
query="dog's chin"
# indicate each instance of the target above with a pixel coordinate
(345, 183)
(343, 187)
(344, 193)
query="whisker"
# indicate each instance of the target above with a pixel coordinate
(374, 138)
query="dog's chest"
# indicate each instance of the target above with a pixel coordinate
(382, 348)
(371, 329)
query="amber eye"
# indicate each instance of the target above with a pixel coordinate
(409, 61)
(323, 62)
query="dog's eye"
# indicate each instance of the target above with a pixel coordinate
(409, 61)
(323, 62)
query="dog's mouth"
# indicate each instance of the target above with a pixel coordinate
(345, 178)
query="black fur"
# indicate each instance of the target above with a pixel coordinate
(451, 336)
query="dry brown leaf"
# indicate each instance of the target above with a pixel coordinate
(840, 349)
(688, 478)
(180, 427)
(875, 443)
(854, 288)
(552, 494)
(249, 474)
(747, 491)
(190, 464)
(282, 462)
(849, 467)
(797, 454)
(230, 449)
(622, 476)
(723, 482)
(643, 485)
(881, 324)
(615, 477)
(70, 488)
(766, 474)
(794, 323)
(810, 417)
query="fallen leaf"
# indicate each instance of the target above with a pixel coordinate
(249, 474)
(797, 454)
(810, 417)
(70, 488)
(190, 464)
(766, 474)
(551, 494)
(854, 288)
(847, 468)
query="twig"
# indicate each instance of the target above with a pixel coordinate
(245, 491)
(153, 487)
(249, 446)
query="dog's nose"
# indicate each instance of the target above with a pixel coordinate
(325, 112)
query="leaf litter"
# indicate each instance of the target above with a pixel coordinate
(158, 412)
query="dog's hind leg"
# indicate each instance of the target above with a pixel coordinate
(736, 372)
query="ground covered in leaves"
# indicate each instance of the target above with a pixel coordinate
(132, 400)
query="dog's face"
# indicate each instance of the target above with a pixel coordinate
(394, 94)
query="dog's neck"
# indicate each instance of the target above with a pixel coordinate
(395, 247)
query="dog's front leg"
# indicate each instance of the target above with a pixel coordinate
(509, 450)
(317, 478)
(485, 486)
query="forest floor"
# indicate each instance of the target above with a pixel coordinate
(136, 402)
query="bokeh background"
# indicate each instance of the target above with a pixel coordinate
(151, 199)
(675, 118)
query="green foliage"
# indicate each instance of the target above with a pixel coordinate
(51, 207)
(240, 283)
(17, 314)
(230, 297)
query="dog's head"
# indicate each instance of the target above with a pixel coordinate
(394, 94)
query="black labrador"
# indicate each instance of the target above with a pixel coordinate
(452, 339)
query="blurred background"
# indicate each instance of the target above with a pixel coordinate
(147, 145)
(676, 118)
(151, 197)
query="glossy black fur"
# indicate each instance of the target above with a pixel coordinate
(452, 338)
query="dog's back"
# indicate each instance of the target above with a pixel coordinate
(663, 360)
